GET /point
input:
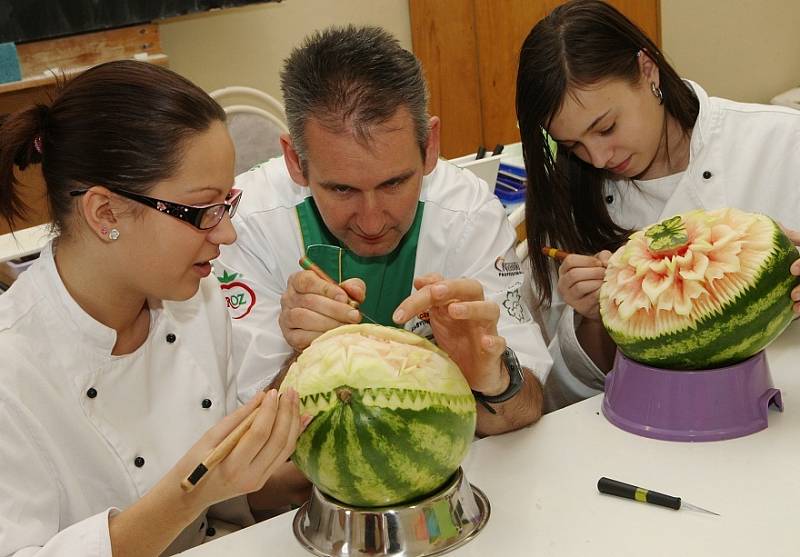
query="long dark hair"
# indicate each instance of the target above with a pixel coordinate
(121, 124)
(580, 43)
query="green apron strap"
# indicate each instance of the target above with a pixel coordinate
(389, 278)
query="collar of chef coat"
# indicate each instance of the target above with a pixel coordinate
(93, 334)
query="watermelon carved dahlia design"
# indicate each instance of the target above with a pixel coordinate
(393, 415)
(699, 290)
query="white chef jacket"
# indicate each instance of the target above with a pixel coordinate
(464, 233)
(741, 155)
(86, 433)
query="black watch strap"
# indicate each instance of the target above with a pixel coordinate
(511, 363)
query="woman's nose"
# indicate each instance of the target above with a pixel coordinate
(224, 232)
(599, 154)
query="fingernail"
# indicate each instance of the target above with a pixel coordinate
(489, 342)
(353, 315)
(398, 315)
(304, 421)
(458, 310)
(439, 289)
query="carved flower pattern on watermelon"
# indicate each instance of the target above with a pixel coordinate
(699, 290)
(393, 415)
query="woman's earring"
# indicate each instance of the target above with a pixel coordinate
(657, 92)
(103, 230)
(113, 234)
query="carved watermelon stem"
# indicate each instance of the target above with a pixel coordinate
(667, 236)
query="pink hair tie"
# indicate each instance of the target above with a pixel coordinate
(37, 144)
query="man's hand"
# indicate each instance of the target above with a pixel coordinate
(579, 280)
(464, 325)
(311, 306)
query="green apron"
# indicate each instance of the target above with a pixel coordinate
(389, 278)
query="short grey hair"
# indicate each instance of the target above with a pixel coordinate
(352, 76)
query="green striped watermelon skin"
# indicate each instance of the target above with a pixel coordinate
(367, 455)
(741, 329)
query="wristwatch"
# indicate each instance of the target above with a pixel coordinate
(511, 363)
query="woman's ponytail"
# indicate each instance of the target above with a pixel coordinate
(21, 144)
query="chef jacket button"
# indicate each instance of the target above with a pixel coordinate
(138, 462)
(206, 403)
(210, 531)
(707, 175)
(171, 338)
(92, 392)
(609, 199)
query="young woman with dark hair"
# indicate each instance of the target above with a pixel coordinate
(636, 144)
(115, 380)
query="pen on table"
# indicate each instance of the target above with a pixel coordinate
(628, 491)
(497, 149)
(309, 265)
(557, 254)
(480, 153)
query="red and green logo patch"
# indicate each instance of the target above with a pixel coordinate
(239, 297)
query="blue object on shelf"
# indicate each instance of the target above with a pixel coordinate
(9, 63)
(513, 169)
(509, 190)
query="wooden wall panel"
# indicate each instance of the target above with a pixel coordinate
(499, 28)
(444, 39)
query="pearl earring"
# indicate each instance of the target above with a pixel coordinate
(113, 234)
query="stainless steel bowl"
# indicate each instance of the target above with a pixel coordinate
(432, 526)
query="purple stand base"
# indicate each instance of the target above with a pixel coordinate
(705, 405)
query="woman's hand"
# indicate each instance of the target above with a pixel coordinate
(794, 236)
(264, 447)
(579, 280)
(148, 526)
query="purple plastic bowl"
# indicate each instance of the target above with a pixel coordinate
(700, 405)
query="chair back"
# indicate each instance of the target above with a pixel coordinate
(256, 121)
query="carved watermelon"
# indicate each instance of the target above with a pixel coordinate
(699, 290)
(393, 415)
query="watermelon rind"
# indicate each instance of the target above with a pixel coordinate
(382, 433)
(725, 335)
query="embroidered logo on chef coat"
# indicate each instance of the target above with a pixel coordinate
(504, 269)
(514, 306)
(239, 297)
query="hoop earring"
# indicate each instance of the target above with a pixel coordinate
(657, 92)
(113, 234)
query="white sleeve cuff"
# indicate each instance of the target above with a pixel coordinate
(579, 364)
(88, 538)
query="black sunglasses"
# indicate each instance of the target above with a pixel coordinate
(199, 216)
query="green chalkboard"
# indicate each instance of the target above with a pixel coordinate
(32, 20)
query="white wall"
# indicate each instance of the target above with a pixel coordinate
(246, 46)
(747, 50)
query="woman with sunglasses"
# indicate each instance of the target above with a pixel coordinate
(115, 380)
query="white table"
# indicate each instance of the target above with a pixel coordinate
(541, 483)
